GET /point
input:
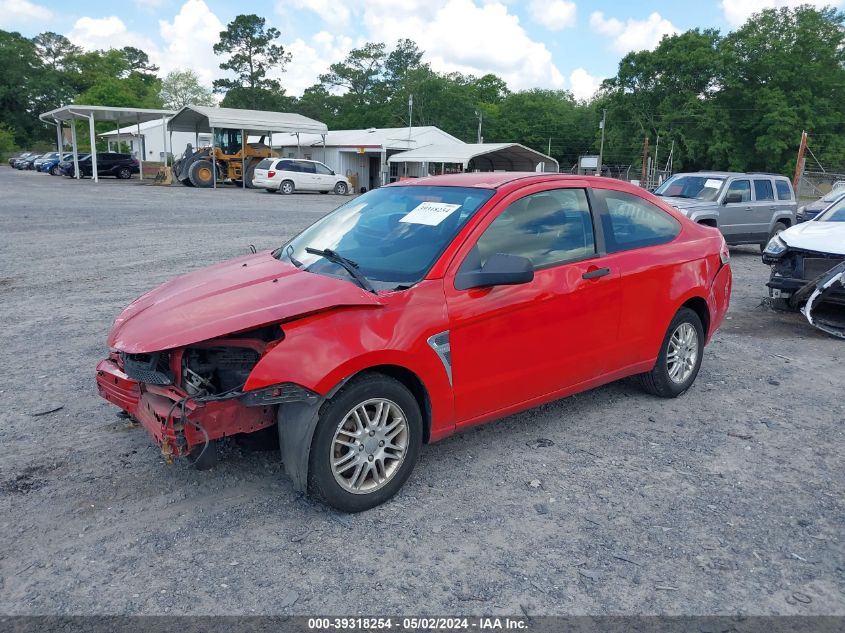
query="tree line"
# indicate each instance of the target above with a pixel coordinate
(735, 101)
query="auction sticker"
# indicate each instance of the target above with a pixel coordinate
(712, 183)
(430, 213)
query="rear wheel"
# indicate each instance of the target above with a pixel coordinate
(201, 174)
(680, 357)
(286, 187)
(341, 189)
(366, 443)
(124, 173)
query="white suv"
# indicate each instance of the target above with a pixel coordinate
(288, 175)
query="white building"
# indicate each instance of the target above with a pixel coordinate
(153, 140)
(361, 155)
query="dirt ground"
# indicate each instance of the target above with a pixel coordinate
(727, 500)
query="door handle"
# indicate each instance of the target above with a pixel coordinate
(596, 273)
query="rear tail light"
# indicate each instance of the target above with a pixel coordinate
(271, 173)
(724, 253)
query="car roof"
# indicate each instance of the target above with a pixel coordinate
(490, 179)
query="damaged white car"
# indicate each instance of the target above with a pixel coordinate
(808, 270)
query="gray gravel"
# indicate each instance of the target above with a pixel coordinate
(726, 500)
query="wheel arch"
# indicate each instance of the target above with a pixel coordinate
(699, 305)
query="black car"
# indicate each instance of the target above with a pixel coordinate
(26, 163)
(108, 164)
(14, 159)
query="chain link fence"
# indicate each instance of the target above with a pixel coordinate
(814, 184)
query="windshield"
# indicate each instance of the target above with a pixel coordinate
(393, 234)
(693, 187)
(834, 194)
(834, 213)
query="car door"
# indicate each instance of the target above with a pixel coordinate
(516, 344)
(105, 163)
(307, 175)
(763, 208)
(639, 239)
(735, 219)
(325, 177)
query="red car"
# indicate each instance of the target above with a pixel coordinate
(415, 311)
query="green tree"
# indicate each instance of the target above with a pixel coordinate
(18, 97)
(251, 52)
(182, 87)
(359, 75)
(54, 49)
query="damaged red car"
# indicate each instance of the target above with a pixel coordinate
(417, 310)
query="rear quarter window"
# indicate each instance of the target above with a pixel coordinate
(784, 190)
(264, 164)
(631, 222)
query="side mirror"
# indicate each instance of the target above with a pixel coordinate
(498, 270)
(732, 197)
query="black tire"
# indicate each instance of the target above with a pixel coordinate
(777, 228)
(201, 173)
(341, 189)
(124, 173)
(250, 174)
(54, 171)
(658, 381)
(203, 456)
(321, 480)
(187, 182)
(286, 187)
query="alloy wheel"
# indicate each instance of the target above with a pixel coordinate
(682, 354)
(369, 446)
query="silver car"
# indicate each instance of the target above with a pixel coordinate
(748, 208)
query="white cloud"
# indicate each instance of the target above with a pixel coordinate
(555, 15)
(583, 85)
(189, 40)
(334, 14)
(109, 32)
(738, 11)
(20, 12)
(311, 59)
(458, 35)
(632, 35)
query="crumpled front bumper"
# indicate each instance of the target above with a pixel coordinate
(175, 421)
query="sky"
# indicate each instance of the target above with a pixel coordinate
(560, 44)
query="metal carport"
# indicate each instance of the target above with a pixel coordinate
(196, 119)
(102, 113)
(480, 157)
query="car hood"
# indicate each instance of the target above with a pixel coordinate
(821, 237)
(234, 296)
(685, 205)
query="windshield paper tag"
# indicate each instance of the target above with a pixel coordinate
(430, 213)
(712, 183)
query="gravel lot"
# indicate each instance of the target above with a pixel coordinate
(727, 500)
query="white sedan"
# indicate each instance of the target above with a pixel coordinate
(288, 175)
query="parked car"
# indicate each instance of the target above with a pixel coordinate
(810, 211)
(288, 175)
(414, 311)
(51, 166)
(66, 165)
(808, 269)
(38, 162)
(14, 159)
(26, 163)
(108, 164)
(747, 208)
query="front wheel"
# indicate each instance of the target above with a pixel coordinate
(55, 171)
(341, 189)
(366, 444)
(680, 357)
(777, 229)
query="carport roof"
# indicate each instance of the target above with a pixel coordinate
(194, 118)
(495, 156)
(104, 113)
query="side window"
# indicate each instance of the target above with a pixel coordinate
(632, 222)
(763, 190)
(742, 187)
(286, 165)
(322, 169)
(308, 168)
(551, 227)
(784, 190)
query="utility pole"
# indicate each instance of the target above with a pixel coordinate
(645, 163)
(601, 147)
(410, 125)
(480, 116)
(799, 165)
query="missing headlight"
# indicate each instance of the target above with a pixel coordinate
(215, 370)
